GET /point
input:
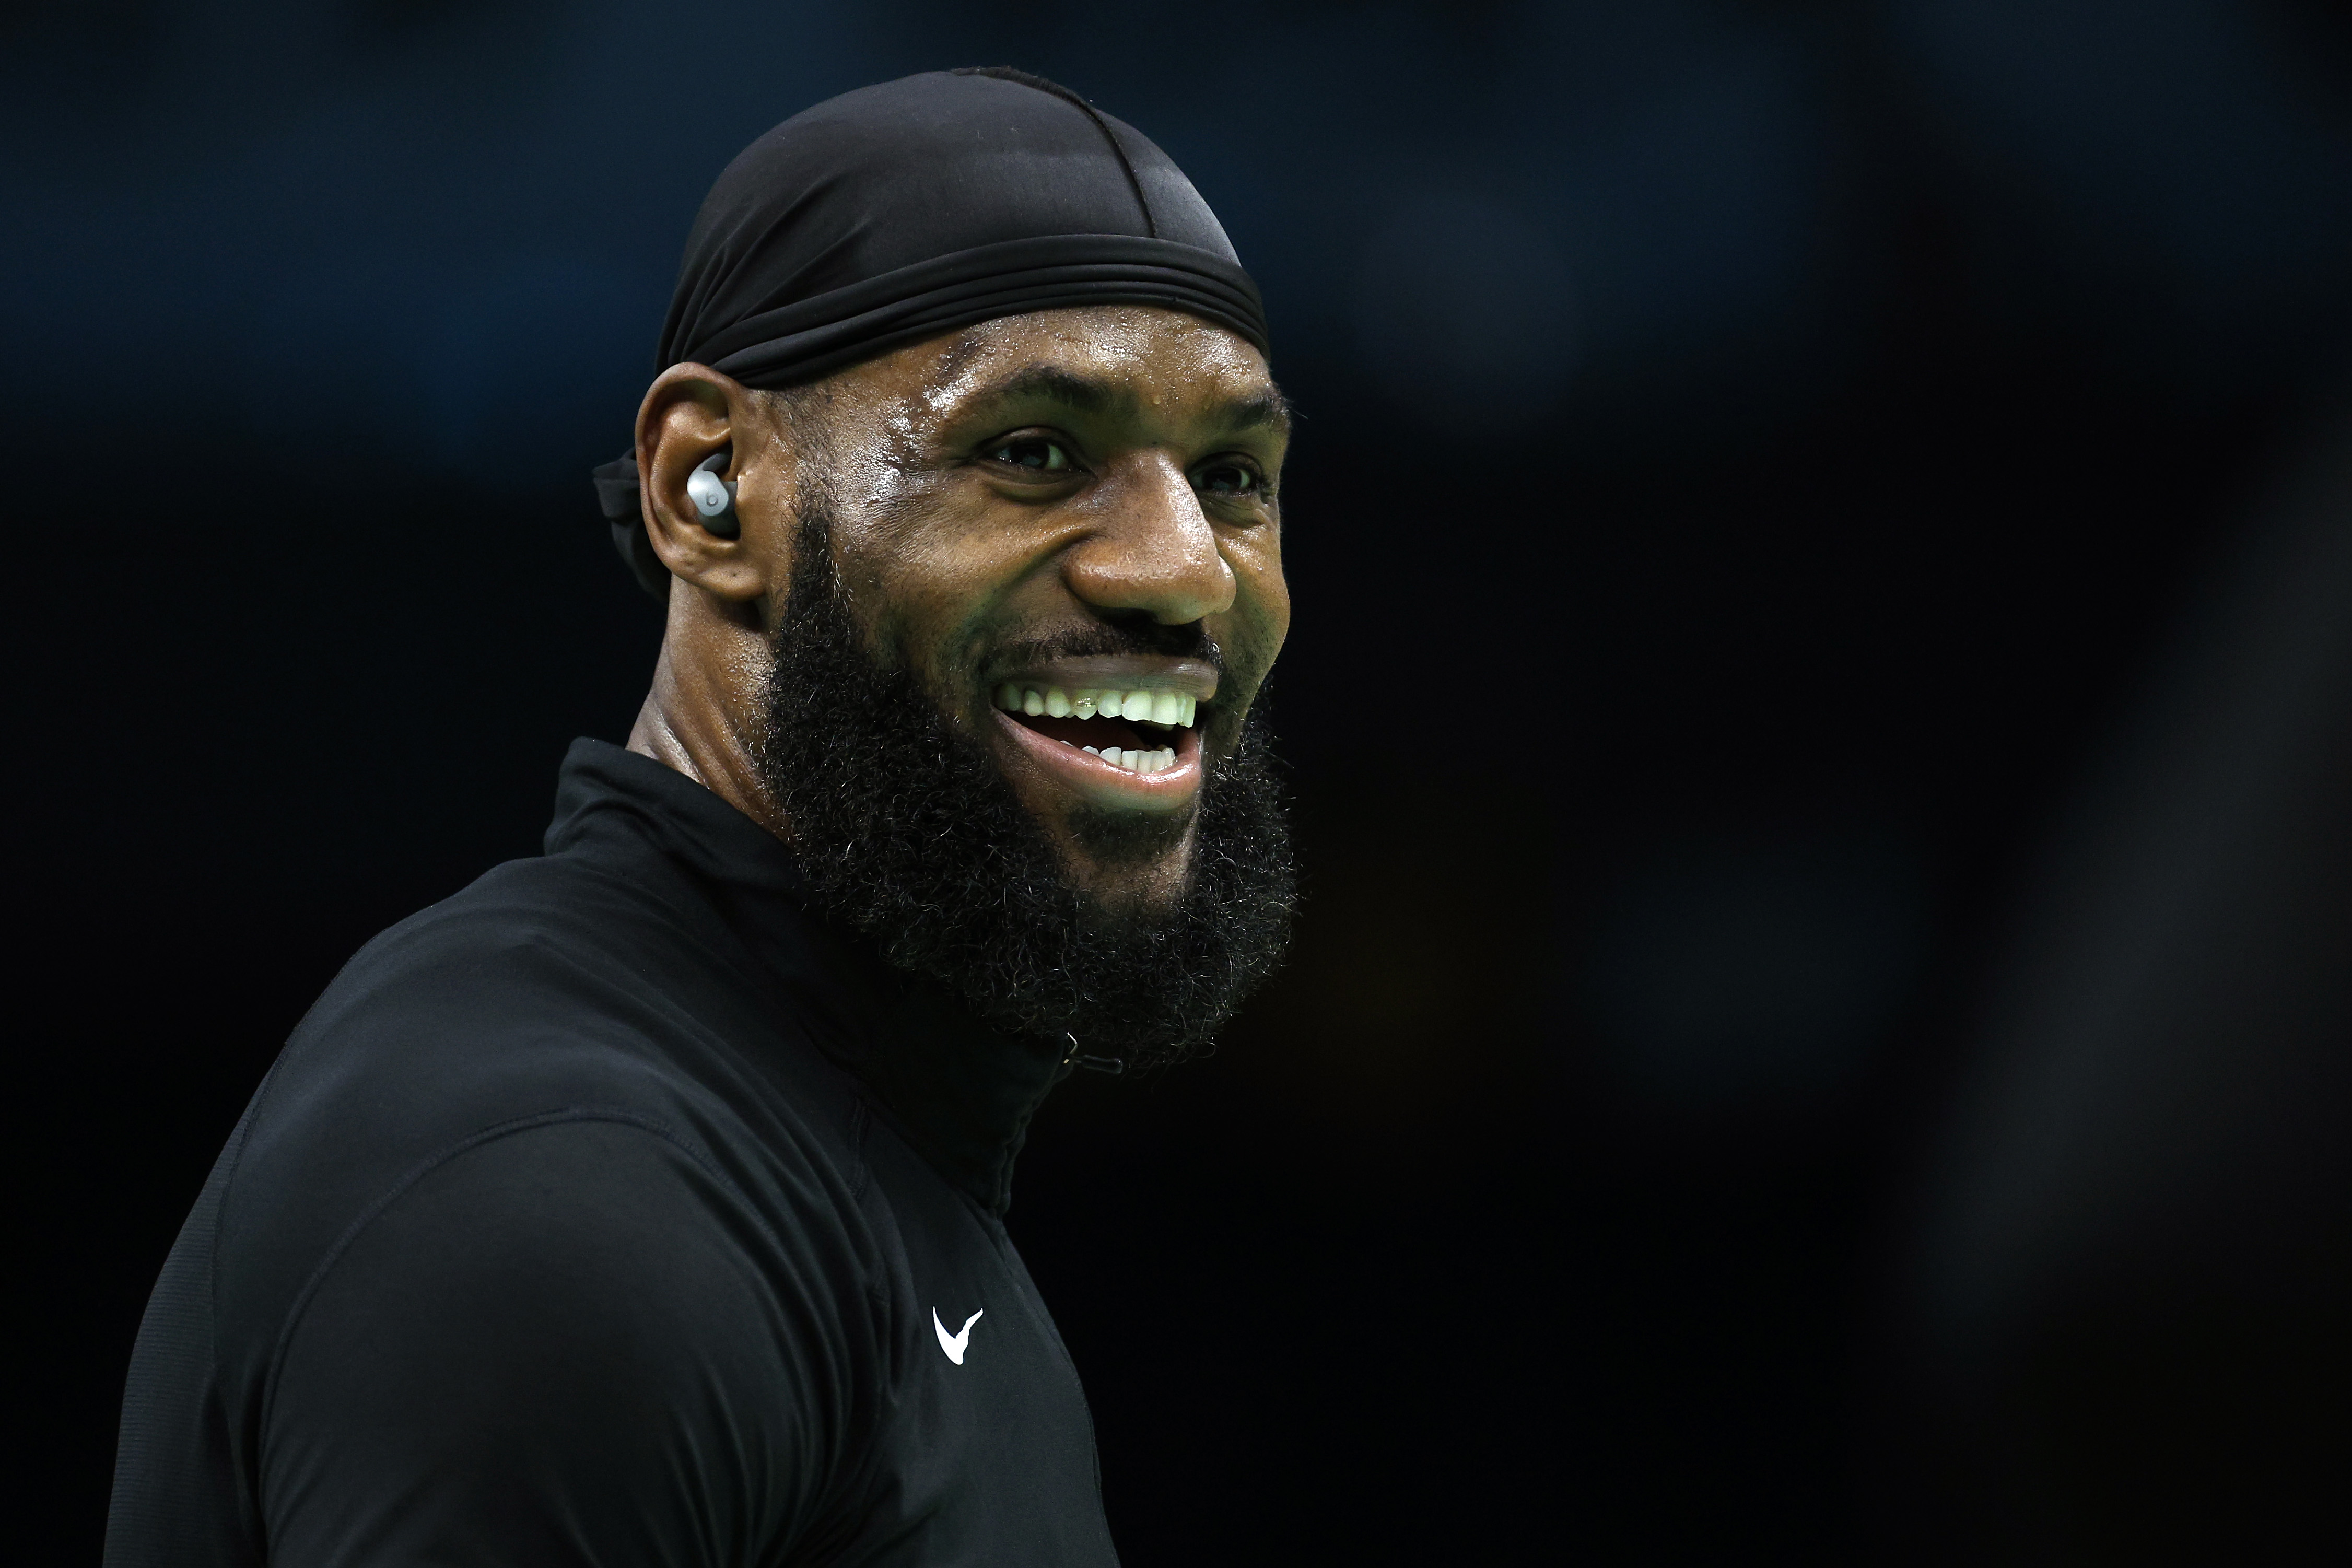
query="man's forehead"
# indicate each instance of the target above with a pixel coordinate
(1111, 360)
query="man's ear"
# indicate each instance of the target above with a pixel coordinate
(692, 413)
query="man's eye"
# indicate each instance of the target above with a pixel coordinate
(1231, 480)
(1032, 452)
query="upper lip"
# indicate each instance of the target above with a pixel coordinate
(1192, 677)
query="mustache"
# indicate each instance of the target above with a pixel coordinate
(1145, 637)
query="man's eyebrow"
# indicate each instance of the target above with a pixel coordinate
(1265, 409)
(1050, 384)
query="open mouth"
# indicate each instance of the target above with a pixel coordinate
(1122, 730)
(1142, 730)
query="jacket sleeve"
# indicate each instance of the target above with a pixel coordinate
(568, 1344)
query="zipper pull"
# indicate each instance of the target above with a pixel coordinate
(1078, 1058)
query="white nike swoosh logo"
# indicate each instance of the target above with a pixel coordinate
(954, 1343)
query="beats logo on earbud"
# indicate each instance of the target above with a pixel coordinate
(713, 496)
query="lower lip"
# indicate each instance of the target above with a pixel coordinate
(1107, 783)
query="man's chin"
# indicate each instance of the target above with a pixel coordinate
(1129, 858)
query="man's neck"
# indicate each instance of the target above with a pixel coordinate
(703, 724)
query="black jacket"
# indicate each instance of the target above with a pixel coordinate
(615, 1212)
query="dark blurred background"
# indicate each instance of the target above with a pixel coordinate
(1810, 518)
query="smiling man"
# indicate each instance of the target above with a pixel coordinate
(644, 1203)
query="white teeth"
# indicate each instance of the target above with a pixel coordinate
(1174, 709)
(1136, 761)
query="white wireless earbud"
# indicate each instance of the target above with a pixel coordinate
(713, 496)
(707, 491)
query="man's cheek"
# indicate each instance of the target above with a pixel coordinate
(1251, 633)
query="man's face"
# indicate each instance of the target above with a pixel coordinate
(1080, 505)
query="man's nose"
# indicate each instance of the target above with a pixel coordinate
(1153, 551)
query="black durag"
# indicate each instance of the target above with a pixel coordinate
(901, 210)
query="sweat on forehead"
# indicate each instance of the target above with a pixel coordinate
(1105, 360)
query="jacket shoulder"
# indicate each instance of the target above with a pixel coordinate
(548, 990)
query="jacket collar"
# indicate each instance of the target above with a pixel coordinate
(962, 1092)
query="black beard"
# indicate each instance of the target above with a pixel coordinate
(909, 833)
